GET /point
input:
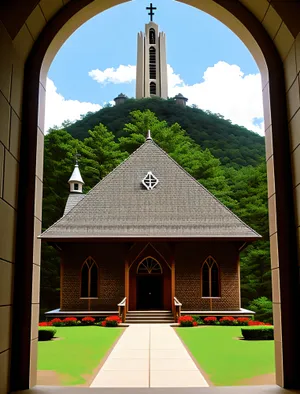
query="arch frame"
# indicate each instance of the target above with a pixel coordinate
(149, 273)
(255, 37)
(210, 265)
(85, 263)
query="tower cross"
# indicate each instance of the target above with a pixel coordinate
(151, 13)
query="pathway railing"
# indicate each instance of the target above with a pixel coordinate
(177, 309)
(122, 309)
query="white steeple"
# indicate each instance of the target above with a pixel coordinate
(76, 181)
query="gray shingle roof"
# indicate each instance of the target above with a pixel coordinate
(73, 200)
(119, 206)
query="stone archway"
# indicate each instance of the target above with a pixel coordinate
(271, 43)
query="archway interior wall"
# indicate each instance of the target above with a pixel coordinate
(15, 50)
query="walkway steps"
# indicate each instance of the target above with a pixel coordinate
(149, 317)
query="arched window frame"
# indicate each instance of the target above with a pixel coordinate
(152, 36)
(149, 271)
(89, 263)
(210, 262)
(153, 84)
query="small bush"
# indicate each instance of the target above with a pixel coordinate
(111, 321)
(57, 322)
(263, 308)
(243, 321)
(228, 321)
(258, 333)
(210, 320)
(198, 319)
(71, 321)
(186, 321)
(88, 321)
(45, 334)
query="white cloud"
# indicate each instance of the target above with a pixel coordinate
(58, 109)
(122, 74)
(224, 89)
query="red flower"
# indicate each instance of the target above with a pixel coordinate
(89, 319)
(103, 324)
(43, 324)
(56, 320)
(186, 318)
(257, 323)
(114, 318)
(227, 318)
(210, 318)
(195, 323)
(69, 319)
(242, 319)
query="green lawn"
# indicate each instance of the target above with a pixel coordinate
(225, 360)
(77, 353)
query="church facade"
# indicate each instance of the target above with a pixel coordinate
(151, 234)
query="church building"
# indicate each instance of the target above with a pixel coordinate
(151, 236)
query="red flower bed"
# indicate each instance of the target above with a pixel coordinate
(257, 323)
(103, 324)
(57, 322)
(43, 324)
(211, 320)
(88, 320)
(227, 321)
(195, 323)
(70, 321)
(112, 321)
(186, 321)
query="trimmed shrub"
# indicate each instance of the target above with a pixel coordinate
(88, 321)
(45, 334)
(186, 321)
(263, 308)
(258, 333)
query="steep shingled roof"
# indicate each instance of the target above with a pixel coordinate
(120, 206)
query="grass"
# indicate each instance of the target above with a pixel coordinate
(226, 360)
(77, 353)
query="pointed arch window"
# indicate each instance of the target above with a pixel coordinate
(152, 63)
(89, 279)
(152, 88)
(151, 36)
(210, 277)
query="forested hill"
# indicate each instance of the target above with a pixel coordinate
(232, 144)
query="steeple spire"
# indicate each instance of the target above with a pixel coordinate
(76, 181)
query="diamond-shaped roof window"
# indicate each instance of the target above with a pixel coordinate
(150, 181)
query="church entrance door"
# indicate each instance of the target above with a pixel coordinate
(149, 292)
(149, 285)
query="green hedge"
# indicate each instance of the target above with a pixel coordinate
(47, 333)
(258, 332)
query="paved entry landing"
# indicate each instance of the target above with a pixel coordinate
(149, 355)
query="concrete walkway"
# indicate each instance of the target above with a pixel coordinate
(149, 355)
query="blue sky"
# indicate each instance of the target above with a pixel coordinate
(196, 42)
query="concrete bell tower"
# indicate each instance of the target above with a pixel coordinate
(151, 68)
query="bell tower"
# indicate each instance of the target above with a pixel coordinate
(151, 69)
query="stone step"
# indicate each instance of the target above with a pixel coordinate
(148, 314)
(150, 321)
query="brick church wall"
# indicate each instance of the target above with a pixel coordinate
(189, 258)
(110, 260)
